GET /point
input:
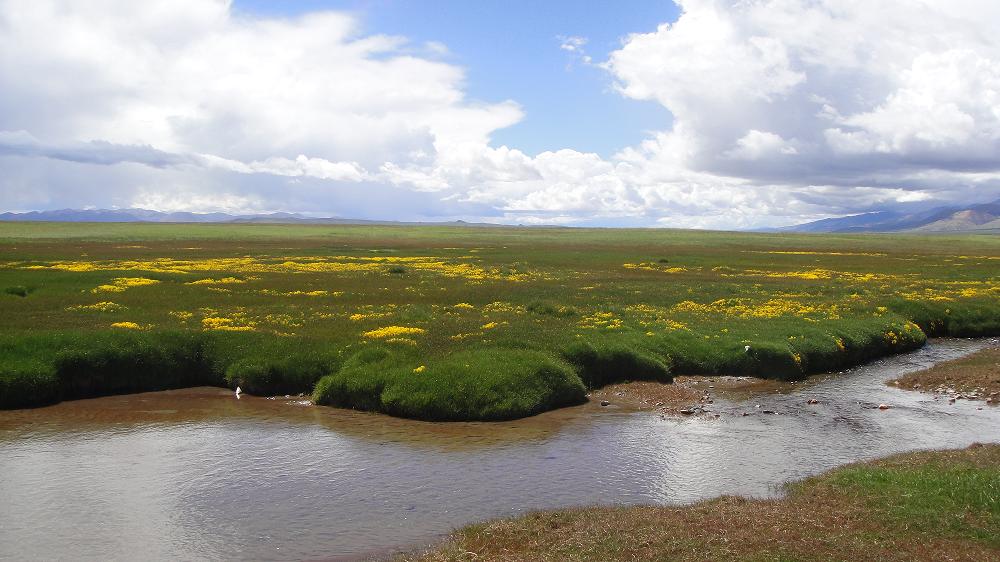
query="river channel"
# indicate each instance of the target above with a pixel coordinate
(197, 474)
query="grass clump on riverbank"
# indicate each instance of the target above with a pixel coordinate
(918, 506)
(44, 368)
(279, 307)
(477, 384)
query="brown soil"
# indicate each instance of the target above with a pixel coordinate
(668, 399)
(688, 395)
(975, 377)
(817, 521)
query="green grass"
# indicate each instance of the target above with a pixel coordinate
(277, 308)
(476, 384)
(954, 498)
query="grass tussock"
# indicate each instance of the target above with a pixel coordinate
(920, 506)
(477, 384)
(18, 291)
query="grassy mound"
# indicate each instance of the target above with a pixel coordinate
(478, 384)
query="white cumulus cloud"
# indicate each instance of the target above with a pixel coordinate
(783, 111)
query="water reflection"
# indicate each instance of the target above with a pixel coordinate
(196, 474)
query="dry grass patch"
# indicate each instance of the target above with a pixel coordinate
(973, 376)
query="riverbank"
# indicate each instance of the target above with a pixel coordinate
(930, 505)
(477, 384)
(976, 377)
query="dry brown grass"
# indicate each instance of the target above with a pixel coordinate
(973, 376)
(818, 521)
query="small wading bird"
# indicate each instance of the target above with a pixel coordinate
(238, 392)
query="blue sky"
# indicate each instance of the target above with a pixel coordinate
(510, 50)
(700, 114)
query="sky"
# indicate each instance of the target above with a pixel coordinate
(700, 114)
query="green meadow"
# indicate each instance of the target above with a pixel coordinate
(458, 323)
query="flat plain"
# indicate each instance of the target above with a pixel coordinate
(452, 322)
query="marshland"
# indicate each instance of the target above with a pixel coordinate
(400, 382)
(453, 323)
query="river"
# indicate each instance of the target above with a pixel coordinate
(198, 474)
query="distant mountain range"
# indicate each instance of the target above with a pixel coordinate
(145, 215)
(976, 218)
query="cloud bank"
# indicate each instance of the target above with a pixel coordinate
(783, 111)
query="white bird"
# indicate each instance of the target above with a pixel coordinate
(746, 349)
(238, 392)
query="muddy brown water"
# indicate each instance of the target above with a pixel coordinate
(197, 474)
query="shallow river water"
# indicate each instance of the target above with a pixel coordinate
(197, 474)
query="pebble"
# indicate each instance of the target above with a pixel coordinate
(687, 412)
(884, 406)
(812, 401)
(605, 403)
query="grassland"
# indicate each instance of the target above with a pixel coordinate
(463, 323)
(942, 505)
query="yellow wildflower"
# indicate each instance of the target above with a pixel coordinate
(121, 283)
(221, 281)
(103, 306)
(392, 331)
(225, 324)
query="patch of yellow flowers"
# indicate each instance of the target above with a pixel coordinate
(393, 331)
(224, 324)
(103, 306)
(330, 264)
(745, 308)
(120, 284)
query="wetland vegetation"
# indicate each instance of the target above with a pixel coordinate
(450, 323)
